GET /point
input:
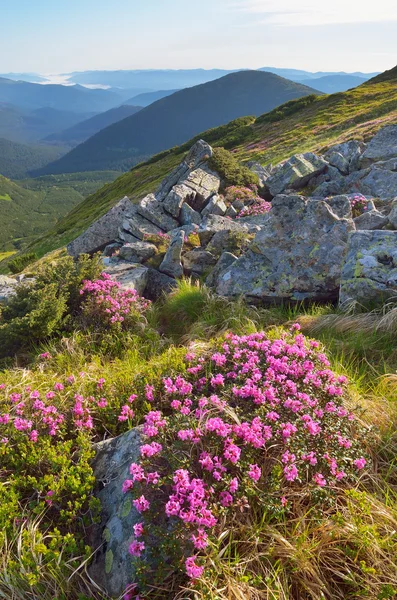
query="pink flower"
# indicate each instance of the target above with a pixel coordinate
(320, 479)
(141, 504)
(360, 463)
(136, 548)
(138, 529)
(127, 485)
(192, 569)
(200, 540)
(254, 472)
(290, 472)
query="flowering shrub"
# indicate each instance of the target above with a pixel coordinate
(252, 423)
(107, 304)
(254, 204)
(359, 205)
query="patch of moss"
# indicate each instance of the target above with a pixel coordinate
(230, 170)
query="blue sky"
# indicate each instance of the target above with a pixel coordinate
(54, 36)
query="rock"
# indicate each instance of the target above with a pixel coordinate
(7, 288)
(197, 155)
(226, 259)
(351, 151)
(336, 159)
(198, 261)
(126, 237)
(205, 183)
(262, 172)
(393, 215)
(112, 249)
(172, 262)
(153, 211)
(379, 183)
(175, 199)
(369, 275)
(139, 227)
(295, 172)
(216, 206)
(329, 188)
(158, 284)
(341, 206)
(214, 223)
(227, 241)
(187, 229)
(112, 567)
(238, 205)
(103, 231)
(231, 212)
(189, 216)
(131, 276)
(137, 251)
(371, 220)
(298, 255)
(388, 165)
(381, 147)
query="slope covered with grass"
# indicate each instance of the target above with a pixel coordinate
(308, 124)
(16, 160)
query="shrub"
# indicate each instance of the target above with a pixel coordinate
(252, 424)
(45, 307)
(254, 204)
(19, 263)
(230, 170)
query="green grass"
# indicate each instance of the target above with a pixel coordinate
(308, 124)
(5, 197)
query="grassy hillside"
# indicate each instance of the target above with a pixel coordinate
(16, 160)
(308, 124)
(176, 118)
(82, 130)
(149, 97)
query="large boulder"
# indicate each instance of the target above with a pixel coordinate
(379, 182)
(295, 172)
(369, 275)
(350, 152)
(131, 276)
(382, 146)
(297, 255)
(137, 251)
(103, 231)
(137, 226)
(112, 567)
(371, 220)
(151, 209)
(214, 223)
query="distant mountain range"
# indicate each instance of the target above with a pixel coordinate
(330, 84)
(299, 75)
(176, 118)
(150, 97)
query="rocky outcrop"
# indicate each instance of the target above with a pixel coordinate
(103, 231)
(369, 275)
(298, 255)
(172, 262)
(295, 173)
(382, 146)
(131, 276)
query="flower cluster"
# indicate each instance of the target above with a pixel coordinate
(359, 204)
(109, 303)
(252, 422)
(258, 207)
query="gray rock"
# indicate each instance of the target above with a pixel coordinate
(158, 284)
(198, 261)
(231, 212)
(103, 231)
(295, 172)
(205, 183)
(187, 229)
(216, 206)
(7, 288)
(137, 251)
(131, 276)
(112, 249)
(125, 237)
(214, 223)
(189, 216)
(393, 215)
(197, 155)
(351, 151)
(262, 172)
(172, 262)
(112, 567)
(370, 220)
(238, 205)
(329, 188)
(226, 259)
(138, 227)
(341, 206)
(176, 197)
(336, 159)
(298, 255)
(227, 241)
(379, 183)
(381, 147)
(153, 211)
(369, 275)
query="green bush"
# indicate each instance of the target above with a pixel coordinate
(19, 263)
(231, 171)
(288, 109)
(47, 306)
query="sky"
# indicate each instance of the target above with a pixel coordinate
(60, 36)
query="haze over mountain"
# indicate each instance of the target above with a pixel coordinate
(330, 84)
(84, 129)
(300, 75)
(30, 96)
(175, 119)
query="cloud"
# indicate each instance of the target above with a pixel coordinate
(318, 12)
